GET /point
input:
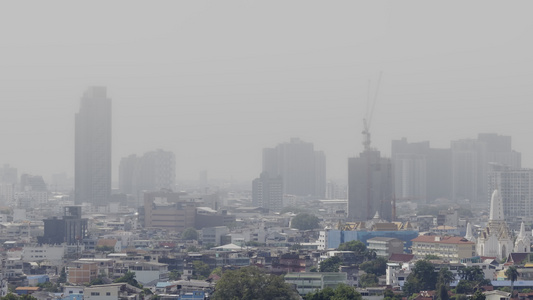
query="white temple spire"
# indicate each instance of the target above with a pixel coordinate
(522, 232)
(469, 236)
(496, 207)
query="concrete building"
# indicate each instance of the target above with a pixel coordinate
(302, 169)
(370, 186)
(71, 229)
(93, 148)
(307, 282)
(446, 247)
(516, 189)
(213, 235)
(81, 272)
(165, 210)
(385, 246)
(267, 192)
(421, 173)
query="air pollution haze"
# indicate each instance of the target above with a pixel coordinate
(215, 82)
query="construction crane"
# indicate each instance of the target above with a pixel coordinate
(367, 121)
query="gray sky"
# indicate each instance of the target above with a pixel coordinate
(217, 81)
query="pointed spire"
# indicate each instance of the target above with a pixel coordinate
(522, 233)
(496, 207)
(376, 216)
(469, 236)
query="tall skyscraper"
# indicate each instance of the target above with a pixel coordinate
(92, 181)
(302, 169)
(516, 190)
(370, 186)
(267, 192)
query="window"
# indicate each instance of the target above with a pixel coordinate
(95, 293)
(108, 294)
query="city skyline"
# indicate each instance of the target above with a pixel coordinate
(195, 77)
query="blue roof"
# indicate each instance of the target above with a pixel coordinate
(163, 284)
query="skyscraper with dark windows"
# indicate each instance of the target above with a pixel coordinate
(93, 148)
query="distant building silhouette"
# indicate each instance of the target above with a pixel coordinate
(93, 148)
(471, 159)
(267, 192)
(8, 174)
(370, 186)
(154, 171)
(71, 229)
(516, 190)
(421, 174)
(302, 169)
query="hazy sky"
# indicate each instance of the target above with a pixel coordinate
(217, 81)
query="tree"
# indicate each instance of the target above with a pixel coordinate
(174, 275)
(473, 273)
(368, 280)
(252, 283)
(443, 293)
(341, 292)
(356, 246)
(512, 274)
(376, 266)
(431, 256)
(445, 277)
(129, 278)
(331, 264)
(478, 295)
(464, 287)
(189, 234)
(305, 221)
(422, 278)
(201, 270)
(62, 276)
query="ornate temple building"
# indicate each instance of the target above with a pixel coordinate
(496, 239)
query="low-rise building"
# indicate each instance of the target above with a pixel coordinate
(307, 282)
(451, 248)
(385, 246)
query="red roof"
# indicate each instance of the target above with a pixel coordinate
(401, 257)
(441, 239)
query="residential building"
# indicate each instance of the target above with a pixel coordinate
(93, 148)
(71, 229)
(81, 272)
(516, 189)
(213, 235)
(112, 292)
(267, 192)
(452, 248)
(302, 169)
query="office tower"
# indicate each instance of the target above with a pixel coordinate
(154, 171)
(421, 174)
(472, 160)
(267, 192)
(370, 186)
(302, 169)
(516, 190)
(93, 148)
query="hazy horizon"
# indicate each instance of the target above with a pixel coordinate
(216, 82)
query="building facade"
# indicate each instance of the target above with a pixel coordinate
(267, 192)
(302, 169)
(93, 148)
(451, 248)
(370, 186)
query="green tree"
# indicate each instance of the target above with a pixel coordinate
(129, 278)
(252, 283)
(49, 287)
(443, 293)
(104, 248)
(445, 277)
(368, 280)
(305, 221)
(341, 292)
(473, 273)
(189, 234)
(388, 294)
(422, 278)
(10, 296)
(200, 269)
(464, 287)
(97, 281)
(174, 275)
(512, 274)
(193, 248)
(376, 266)
(431, 256)
(356, 246)
(478, 295)
(217, 271)
(62, 276)
(331, 264)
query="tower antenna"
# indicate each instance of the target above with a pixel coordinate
(367, 121)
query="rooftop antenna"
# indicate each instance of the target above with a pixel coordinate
(367, 121)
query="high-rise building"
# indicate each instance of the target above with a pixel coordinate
(8, 174)
(472, 160)
(516, 190)
(370, 186)
(93, 148)
(302, 169)
(267, 192)
(421, 174)
(154, 171)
